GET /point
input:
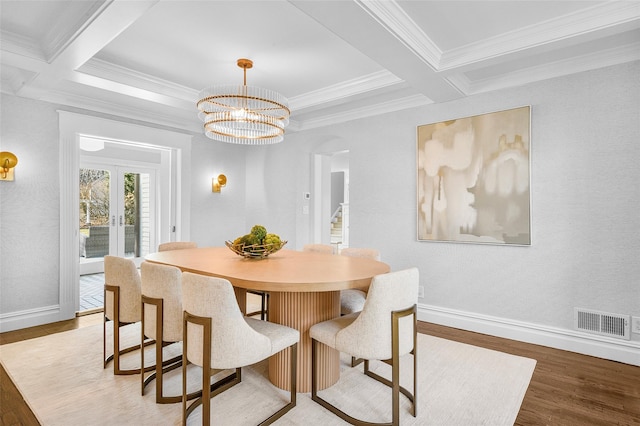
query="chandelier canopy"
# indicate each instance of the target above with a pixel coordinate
(243, 114)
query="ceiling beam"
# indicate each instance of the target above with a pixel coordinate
(106, 25)
(357, 25)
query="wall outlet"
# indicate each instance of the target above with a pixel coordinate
(421, 292)
(635, 325)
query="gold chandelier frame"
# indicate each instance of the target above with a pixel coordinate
(243, 114)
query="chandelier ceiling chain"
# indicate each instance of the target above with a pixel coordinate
(243, 114)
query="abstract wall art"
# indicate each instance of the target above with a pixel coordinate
(474, 179)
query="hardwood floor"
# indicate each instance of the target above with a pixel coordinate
(566, 388)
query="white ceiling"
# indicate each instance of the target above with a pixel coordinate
(335, 60)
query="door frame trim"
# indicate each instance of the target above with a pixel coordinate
(72, 125)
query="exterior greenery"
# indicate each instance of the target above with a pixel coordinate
(94, 197)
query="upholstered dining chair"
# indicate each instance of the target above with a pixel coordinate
(218, 337)
(264, 296)
(264, 305)
(177, 245)
(161, 322)
(361, 252)
(352, 300)
(318, 248)
(385, 330)
(122, 295)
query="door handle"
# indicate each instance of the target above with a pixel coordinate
(113, 221)
(120, 220)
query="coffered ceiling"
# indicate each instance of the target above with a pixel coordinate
(335, 60)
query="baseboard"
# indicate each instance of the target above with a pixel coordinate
(626, 351)
(29, 318)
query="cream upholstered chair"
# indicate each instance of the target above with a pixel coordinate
(264, 296)
(218, 337)
(385, 330)
(177, 245)
(318, 248)
(264, 305)
(361, 252)
(161, 321)
(352, 300)
(122, 295)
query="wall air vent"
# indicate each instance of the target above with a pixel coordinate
(603, 323)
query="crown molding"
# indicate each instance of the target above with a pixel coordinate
(368, 111)
(172, 118)
(116, 73)
(395, 20)
(345, 89)
(623, 15)
(130, 91)
(20, 45)
(572, 65)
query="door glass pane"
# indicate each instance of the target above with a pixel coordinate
(94, 213)
(137, 211)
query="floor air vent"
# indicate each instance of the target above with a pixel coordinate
(606, 324)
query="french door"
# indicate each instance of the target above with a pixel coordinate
(117, 213)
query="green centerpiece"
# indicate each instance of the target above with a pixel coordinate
(257, 244)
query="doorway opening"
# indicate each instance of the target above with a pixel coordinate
(331, 208)
(339, 227)
(118, 209)
(174, 201)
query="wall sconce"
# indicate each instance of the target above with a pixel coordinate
(8, 161)
(218, 182)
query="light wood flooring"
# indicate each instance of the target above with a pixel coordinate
(566, 388)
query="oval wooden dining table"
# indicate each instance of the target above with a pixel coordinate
(304, 289)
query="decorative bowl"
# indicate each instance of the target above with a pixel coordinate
(254, 251)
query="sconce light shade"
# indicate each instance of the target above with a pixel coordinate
(218, 182)
(8, 161)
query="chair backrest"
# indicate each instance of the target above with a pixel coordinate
(177, 245)
(318, 248)
(370, 333)
(121, 272)
(163, 282)
(233, 342)
(361, 252)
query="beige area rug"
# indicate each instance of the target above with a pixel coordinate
(62, 379)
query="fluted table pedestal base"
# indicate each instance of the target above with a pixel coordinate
(301, 311)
